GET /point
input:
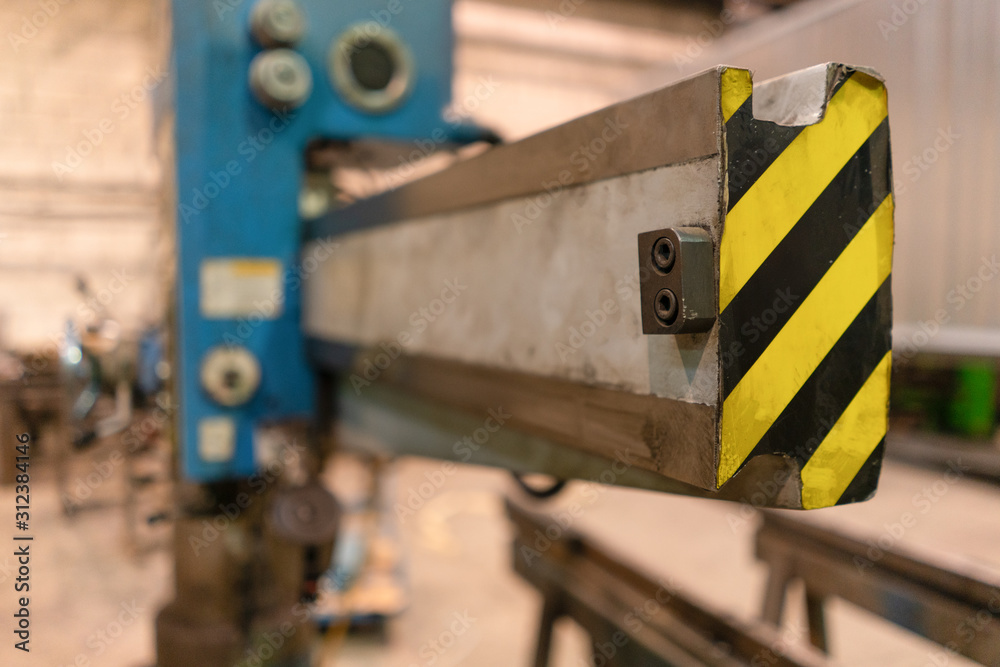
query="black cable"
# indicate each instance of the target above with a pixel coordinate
(540, 494)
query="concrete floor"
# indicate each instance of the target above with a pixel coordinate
(456, 557)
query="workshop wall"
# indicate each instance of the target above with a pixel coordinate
(80, 182)
(78, 174)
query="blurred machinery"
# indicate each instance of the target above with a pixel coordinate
(685, 292)
(955, 606)
(256, 85)
(90, 402)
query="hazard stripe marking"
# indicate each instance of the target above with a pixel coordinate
(863, 486)
(784, 192)
(822, 399)
(753, 146)
(735, 88)
(799, 261)
(859, 430)
(824, 316)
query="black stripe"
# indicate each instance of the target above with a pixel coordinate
(863, 486)
(754, 145)
(774, 292)
(809, 416)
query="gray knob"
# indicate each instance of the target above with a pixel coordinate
(280, 79)
(277, 23)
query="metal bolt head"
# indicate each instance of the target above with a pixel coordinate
(663, 254)
(280, 79)
(665, 307)
(277, 23)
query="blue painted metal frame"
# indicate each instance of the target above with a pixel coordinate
(239, 172)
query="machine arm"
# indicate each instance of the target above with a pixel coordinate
(687, 291)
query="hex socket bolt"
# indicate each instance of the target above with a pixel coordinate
(677, 285)
(663, 254)
(665, 307)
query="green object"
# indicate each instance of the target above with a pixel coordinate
(972, 410)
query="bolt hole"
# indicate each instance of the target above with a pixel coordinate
(665, 307)
(663, 254)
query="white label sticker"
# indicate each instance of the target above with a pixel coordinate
(216, 439)
(236, 287)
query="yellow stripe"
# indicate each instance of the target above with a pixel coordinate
(783, 193)
(832, 467)
(806, 338)
(735, 87)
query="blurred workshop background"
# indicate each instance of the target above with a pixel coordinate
(87, 268)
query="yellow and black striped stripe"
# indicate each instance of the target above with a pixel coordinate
(804, 289)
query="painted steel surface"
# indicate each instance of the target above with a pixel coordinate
(238, 176)
(804, 288)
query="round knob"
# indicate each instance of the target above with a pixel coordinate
(230, 375)
(280, 79)
(277, 23)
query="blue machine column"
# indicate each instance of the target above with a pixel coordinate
(254, 84)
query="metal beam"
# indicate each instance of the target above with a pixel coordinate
(959, 610)
(633, 618)
(513, 278)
